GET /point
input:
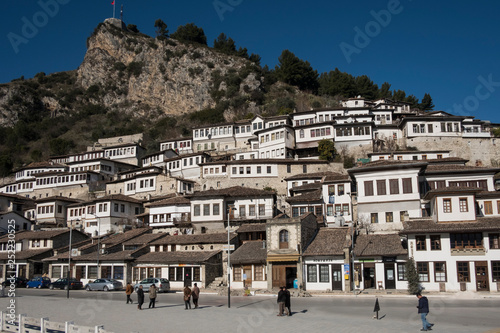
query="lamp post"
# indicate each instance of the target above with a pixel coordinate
(69, 257)
(231, 208)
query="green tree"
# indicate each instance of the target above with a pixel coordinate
(190, 33)
(426, 104)
(413, 101)
(296, 72)
(496, 132)
(326, 149)
(6, 164)
(225, 44)
(161, 29)
(337, 84)
(61, 146)
(385, 91)
(399, 95)
(412, 277)
(365, 87)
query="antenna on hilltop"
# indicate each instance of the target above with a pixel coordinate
(121, 13)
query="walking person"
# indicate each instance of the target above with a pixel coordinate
(152, 296)
(128, 291)
(140, 297)
(196, 295)
(287, 301)
(187, 297)
(423, 309)
(281, 302)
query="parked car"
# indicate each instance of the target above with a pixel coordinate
(63, 284)
(104, 284)
(19, 282)
(38, 282)
(163, 285)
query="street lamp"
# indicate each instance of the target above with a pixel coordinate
(69, 257)
(231, 208)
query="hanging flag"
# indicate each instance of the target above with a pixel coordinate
(113, 3)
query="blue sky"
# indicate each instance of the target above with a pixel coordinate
(449, 49)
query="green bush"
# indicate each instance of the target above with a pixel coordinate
(135, 68)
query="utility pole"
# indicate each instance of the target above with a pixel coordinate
(69, 258)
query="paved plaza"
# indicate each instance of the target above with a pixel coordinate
(321, 313)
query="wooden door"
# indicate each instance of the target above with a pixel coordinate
(247, 276)
(279, 276)
(337, 277)
(482, 283)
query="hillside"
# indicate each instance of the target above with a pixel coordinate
(129, 82)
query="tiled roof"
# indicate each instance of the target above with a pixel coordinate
(123, 237)
(251, 227)
(250, 252)
(307, 187)
(488, 194)
(452, 190)
(378, 245)
(305, 197)
(457, 168)
(387, 164)
(177, 257)
(235, 191)
(119, 197)
(37, 234)
(179, 200)
(26, 254)
(329, 241)
(428, 225)
(144, 239)
(215, 238)
(319, 175)
(42, 165)
(58, 198)
(113, 256)
(263, 161)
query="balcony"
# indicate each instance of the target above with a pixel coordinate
(468, 249)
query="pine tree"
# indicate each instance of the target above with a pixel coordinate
(426, 104)
(161, 29)
(190, 33)
(326, 149)
(412, 277)
(297, 72)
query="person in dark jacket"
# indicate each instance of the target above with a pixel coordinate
(196, 294)
(287, 300)
(423, 309)
(281, 301)
(140, 298)
(187, 297)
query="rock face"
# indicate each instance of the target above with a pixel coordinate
(140, 72)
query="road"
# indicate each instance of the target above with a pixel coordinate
(450, 313)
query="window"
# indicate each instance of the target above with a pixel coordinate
(466, 240)
(243, 211)
(329, 210)
(440, 271)
(494, 244)
(269, 169)
(423, 271)
(259, 169)
(196, 274)
(407, 188)
(116, 207)
(402, 215)
(381, 189)
(259, 273)
(249, 170)
(288, 168)
(435, 243)
(340, 189)
(331, 190)
(324, 273)
(374, 217)
(251, 210)
(368, 188)
(206, 209)
(345, 209)
(262, 209)
(420, 243)
(488, 208)
(118, 272)
(401, 272)
(196, 210)
(495, 271)
(463, 205)
(92, 272)
(447, 205)
(429, 128)
(283, 239)
(463, 271)
(394, 186)
(312, 273)
(215, 209)
(389, 217)
(237, 273)
(304, 168)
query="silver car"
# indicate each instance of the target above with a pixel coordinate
(163, 285)
(104, 284)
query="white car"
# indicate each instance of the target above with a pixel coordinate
(163, 285)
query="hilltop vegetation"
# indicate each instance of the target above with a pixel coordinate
(162, 86)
